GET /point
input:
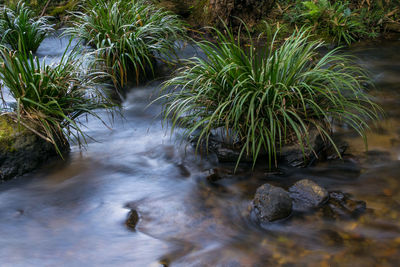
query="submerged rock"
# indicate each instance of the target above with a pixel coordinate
(341, 206)
(307, 195)
(21, 151)
(271, 203)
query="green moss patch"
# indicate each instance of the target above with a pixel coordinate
(8, 132)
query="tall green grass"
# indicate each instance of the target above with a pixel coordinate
(51, 99)
(269, 97)
(19, 29)
(128, 35)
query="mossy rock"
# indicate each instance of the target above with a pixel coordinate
(22, 151)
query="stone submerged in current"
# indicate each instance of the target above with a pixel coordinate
(341, 206)
(271, 203)
(307, 195)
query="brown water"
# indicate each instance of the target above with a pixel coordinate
(73, 213)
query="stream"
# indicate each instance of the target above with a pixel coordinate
(74, 212)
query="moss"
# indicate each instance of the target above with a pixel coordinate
(8, 131)
(62, 9)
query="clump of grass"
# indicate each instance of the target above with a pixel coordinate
(50, 99)
(128, 35)
(267, 98)
(19, 29)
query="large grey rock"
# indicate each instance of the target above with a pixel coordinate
(21, 151)
(271, 203)
(307, 195)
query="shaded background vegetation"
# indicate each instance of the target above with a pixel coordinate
(359, 18)
(56, 8)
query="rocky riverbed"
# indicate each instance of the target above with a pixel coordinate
(81, 211)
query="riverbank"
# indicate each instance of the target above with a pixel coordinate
(334, 22)
(379, 18)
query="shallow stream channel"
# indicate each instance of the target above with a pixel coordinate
(75, 212)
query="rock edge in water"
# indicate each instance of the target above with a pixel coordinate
(273, 203)
(290, 154)
(21, 151)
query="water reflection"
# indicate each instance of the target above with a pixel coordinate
(73, 213)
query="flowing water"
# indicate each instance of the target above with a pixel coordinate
(74, 212)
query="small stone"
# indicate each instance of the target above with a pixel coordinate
(307, 195)
(271, 203)
(133, 219)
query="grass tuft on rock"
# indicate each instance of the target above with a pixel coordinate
(20, 30)
(51, 99)
(128, 35)
(266, 98)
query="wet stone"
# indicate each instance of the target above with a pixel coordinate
(271, 203)
(22, 151)
(133, 219)
(307, 195)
